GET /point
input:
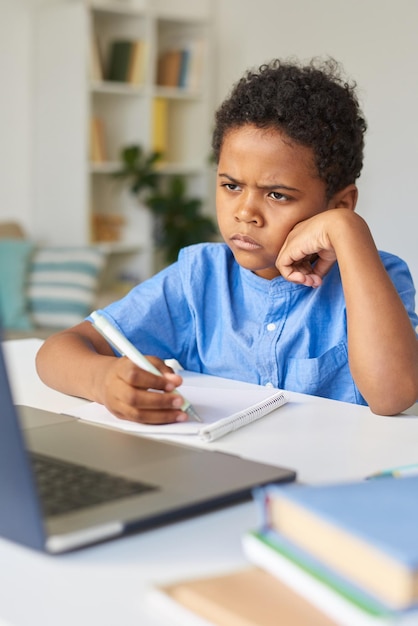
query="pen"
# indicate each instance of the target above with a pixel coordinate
(397, 472)
(126, 348)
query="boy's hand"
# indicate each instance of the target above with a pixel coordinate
(134, 394)
(308, 252)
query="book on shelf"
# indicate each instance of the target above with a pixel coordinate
(365, 531)
(197, 51)
(245, 597)
(119, 60)
(127, 61)
(331, 593)
(182, 66)
(160, 125)
(169, 67)
(137, 63)
(98, 151)
(96, 60)
(107, 226)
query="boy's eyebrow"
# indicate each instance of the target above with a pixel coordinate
(276, 186)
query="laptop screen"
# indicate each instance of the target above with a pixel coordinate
(20, 518)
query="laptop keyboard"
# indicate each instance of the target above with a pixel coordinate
(65, 487)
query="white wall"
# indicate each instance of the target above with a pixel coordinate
(15, 111)
(377, 43)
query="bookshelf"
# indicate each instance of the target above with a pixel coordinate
(97, 74)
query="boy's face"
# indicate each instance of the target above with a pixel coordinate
(266, 184)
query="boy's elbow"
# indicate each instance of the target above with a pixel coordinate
(41, 363)
(395, 402)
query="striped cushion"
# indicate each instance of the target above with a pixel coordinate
(63, 284)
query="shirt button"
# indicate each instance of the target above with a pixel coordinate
(269, 385)
(271, 327)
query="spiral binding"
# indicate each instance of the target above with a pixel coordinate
(242, 418)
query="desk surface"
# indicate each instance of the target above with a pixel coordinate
(322, 439)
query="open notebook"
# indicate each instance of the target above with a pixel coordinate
(222, 411)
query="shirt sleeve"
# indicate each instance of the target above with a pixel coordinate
(402, 279)
(155, 315)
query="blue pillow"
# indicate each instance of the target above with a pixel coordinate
(14, 264)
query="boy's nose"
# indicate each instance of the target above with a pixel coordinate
(247, 211)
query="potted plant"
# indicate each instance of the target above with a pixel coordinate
(139, 169)
(179, 221)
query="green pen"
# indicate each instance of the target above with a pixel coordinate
(397, 472)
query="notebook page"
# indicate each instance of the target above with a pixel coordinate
(211, 403)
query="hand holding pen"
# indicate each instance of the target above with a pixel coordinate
(126, 348)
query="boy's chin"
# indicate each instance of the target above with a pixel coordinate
(268, 272)
(248, 262)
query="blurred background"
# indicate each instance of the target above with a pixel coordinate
(53, 185)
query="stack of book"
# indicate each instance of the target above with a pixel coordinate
(331, 555)
(350, 549)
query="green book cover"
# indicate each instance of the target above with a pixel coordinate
(119, 61)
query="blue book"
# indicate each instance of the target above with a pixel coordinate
(366, 531)
(184, 68)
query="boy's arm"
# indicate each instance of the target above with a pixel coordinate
(382, 345)
(81, 363)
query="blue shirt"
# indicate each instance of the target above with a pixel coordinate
(218, 318)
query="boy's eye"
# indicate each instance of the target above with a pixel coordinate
(231, 186)
(276, 195)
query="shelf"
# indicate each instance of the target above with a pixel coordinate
(175, 93)
(123, 7)
(77, 104)
(117, 88)
(105, 168)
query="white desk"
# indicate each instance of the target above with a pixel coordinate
(105, 585)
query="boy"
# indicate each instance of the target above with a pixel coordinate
(297, 297)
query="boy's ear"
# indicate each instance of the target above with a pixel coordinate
(345, 199)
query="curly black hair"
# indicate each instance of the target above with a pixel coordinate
(312, 104)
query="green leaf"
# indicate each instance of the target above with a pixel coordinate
(179, 222)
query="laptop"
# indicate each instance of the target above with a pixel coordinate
(65, 484)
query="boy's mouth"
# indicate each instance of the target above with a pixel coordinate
(243, 242)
